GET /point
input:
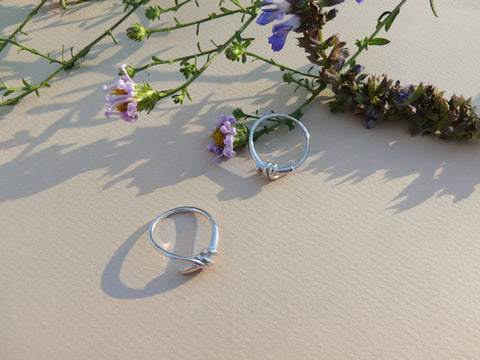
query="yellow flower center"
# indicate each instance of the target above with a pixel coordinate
(218, 137)
(122, 107)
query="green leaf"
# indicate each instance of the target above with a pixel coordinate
(26, 83)
(378, 41)
(63, 3)
(391, 19)
(433, 8)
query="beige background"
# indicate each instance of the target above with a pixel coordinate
(369, 251)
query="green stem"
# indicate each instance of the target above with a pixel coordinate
(240, 6)
(297, 113)
(171, 61)
(33, 51)
(210, 61)
(175, 7)
(197, 22)
(282, 67)
(69, 64)
(379, 27)
(28, 18)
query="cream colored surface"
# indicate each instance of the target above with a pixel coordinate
(369, 251)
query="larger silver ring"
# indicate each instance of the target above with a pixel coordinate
(202, 260)
(270, 170)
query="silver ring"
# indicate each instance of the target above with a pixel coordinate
(202, 260)
(269, 170)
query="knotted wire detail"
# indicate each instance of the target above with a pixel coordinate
(203, 261)
(272, 171)
(269, 171)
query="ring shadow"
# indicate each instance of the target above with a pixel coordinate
(170, 278)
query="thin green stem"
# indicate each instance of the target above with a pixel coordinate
(297, 113)
(33, 51)
(171, 61)
(71, 62)
(379, 27)
(27, 19)
(282, 67)
(240, 6)
(175, 7)
(210, 61)
(197, 22)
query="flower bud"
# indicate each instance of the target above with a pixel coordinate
(234, 53)
(136, 32)
(153, 13)
(178, 99)
(410, 109)
(331, 14)
(127, 69)
(288, 77)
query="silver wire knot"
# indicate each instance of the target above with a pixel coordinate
(269, 171)
(200, 261)
(204, 261)
(272, 171)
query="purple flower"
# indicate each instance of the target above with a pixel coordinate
(277, 12)
(359, 1)
(121, 98)
(223, 136)
(402, 92)
(369, 123)
(280, 32)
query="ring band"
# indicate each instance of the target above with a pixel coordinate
(202, 260)
(269, 170)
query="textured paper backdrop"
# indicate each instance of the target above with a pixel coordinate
(369, 251)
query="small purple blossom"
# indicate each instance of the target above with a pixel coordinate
(280, 32)
(276, 12)
(223, 136)
(402, 92)
(369, 123)
(121, 98)
(359, 1)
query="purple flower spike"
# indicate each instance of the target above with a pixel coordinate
(280, 32)
(121, 98)
(276, 12)
(359, 1)
(223, 136)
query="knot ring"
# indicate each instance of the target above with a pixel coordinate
(202, 260)
(270, 170)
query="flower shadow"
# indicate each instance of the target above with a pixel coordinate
(424, 167)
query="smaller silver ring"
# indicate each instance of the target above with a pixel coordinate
(270, 170)
(202, 260)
